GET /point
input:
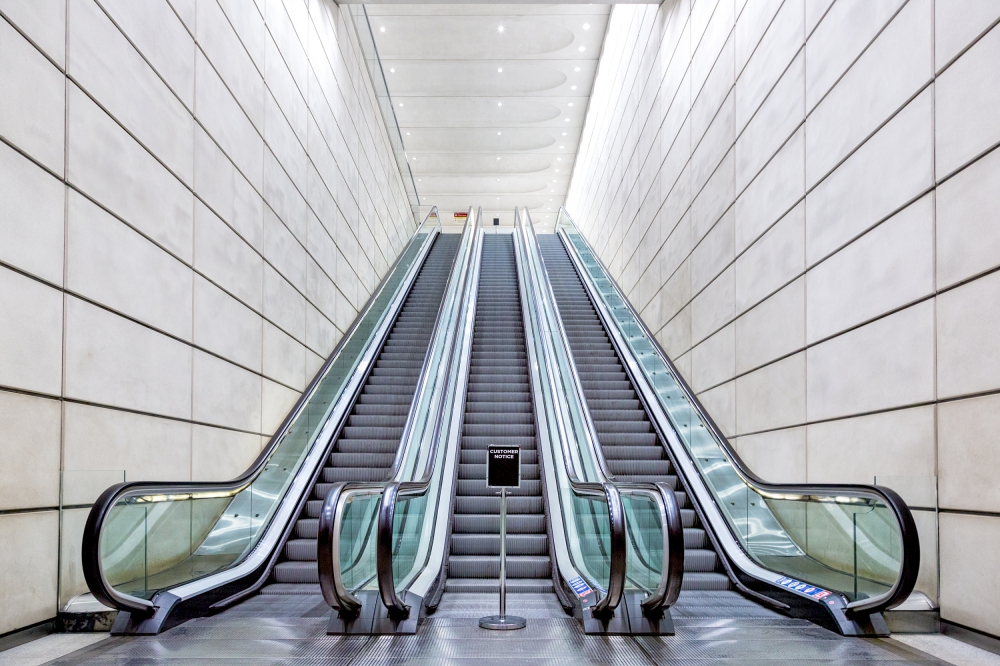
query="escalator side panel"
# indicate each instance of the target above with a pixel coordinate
(366, 446)
(630, 443)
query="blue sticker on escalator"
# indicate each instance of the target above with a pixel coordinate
(580, 587)
(804, 588)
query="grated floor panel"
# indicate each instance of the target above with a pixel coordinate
(290, 629)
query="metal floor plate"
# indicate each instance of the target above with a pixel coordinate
(290, 629)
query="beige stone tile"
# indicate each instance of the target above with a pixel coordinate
(888, 363)
(284, 358)
(675, 336)
(714, 360)
(226, 120)
(43, 21)
(968, 589)
(225, 394)
(32, 212)
(893, 449)
(113, 361)
(712, 201)
(720, 403)
(774, 192)
(113, 265)
(101, 58)
(772, 329)
(218, 454)
(772, 261)
(968, 455)
(967, 226)
(964, 96)
(227, 259)
(883, 78)
(713, 254)
(29, 545)
(31, 317)
(888, 170)
(229, 194)
(751, 23)
(277, 402)
(225, 326)
(927, 533)
(228, 56)
(110, 166)
(71, 580)
(890, 266)
(714, 307)
(160, 36)
(772, 397)
(778, 456)
(967, 320)
(34, 99)
(283, 305)
(778, 47)
(29, 477)
(776, 120)
(958, 24)
(147, 448)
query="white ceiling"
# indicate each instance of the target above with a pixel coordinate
(478, 136)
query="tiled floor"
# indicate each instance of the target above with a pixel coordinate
(716, 627)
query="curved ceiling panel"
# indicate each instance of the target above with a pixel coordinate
(472, 37)
(474, 111)
(470, 78)
(445, 164)
(465, 140)
(449, 185)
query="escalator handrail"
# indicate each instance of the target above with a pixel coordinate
(331, 577)
(598, 489)
(910, 559)
(92, 566)
(672, 567)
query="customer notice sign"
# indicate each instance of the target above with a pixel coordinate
(503, 466)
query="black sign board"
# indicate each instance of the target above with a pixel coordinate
(496, 221)
(503, 466)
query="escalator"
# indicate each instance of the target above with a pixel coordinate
(367, 445)
(498, 410)
(630, 444)
(163, 552)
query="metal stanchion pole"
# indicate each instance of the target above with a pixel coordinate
(503, 621)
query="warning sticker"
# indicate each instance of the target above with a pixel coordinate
(804, 588)
(580, 587)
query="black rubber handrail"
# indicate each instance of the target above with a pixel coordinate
(910, 560)
(335, 592)
(672, 567)
(93, 571)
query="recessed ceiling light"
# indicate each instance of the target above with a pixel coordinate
(572, 87)
(559, 159)
(560, 147)
(582, 49)
(499, 70)
(571, 103)
(586, 26)
(499, 103)
(392, 70)
(499, 28)
(498, 158)
(553, 191)
(498, 180)
(382, 29)
(557, 170)
(401, 104)
(564, 133)
(407, 134)
(566, 119)
(418, 180)
(498, 133)
(576, 69)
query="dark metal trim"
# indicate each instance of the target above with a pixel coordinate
(91, 557)
(911, 546)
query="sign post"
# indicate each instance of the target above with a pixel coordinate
(503, 470)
